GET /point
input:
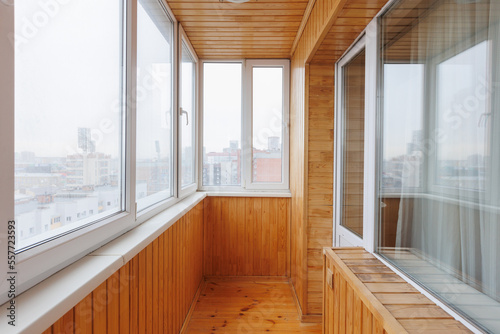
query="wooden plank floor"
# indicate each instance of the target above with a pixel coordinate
(247, 305)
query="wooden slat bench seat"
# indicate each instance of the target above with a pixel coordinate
(362, 295)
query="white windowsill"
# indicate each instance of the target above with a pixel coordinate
(42, 305)
(260, 193)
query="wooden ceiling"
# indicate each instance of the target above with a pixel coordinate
(351, 21)
(225, 30)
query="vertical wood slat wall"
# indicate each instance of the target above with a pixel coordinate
(344, 311)
(331, 28)
(246, 236)
(152, 293)
(298, 179)
(320, 179)
(368, 297)
(303, 185)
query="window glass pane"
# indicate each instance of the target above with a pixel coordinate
(221, 124)
(440, 159)
(353, 109)
(463, 122)
(267, 113)
(154, 173)
(187, 122)
(68, 143)
(403, 114)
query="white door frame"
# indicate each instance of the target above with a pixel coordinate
(341, 235)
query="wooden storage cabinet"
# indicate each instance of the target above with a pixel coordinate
(362, 295)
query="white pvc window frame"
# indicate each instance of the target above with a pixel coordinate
(42, 260)
(246, 129)
(368, 41)
(193, 116)
(158, 202)
(343, 234)
(201, 117)
(38, 262)
(247, 120)
(372, 147)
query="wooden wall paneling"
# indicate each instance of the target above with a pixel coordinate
(246, 236)
(99, 309)
(142, 290)
(377, 302)
(152, 293)
(300, 126)
(161, 283)
(169, 316)
(257, 223)
(65, 325)
(241, 237)
(266, 237)
(148, 283)
(83, 315)
(134, 295)
(156, 301)
(250, 231)
(125, 315)
(283, 246)
(320, 178)
(48, 331)
(331, 28)
(208, 234)
(298, 175)
(113, 303)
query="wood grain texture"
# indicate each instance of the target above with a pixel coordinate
(298, 177)
(258, 29)
(247, 305)
(311, 157)
(246, 236)
(150, 294)
(344, 28)
(331, 28)
(381, 305)
(319, 178)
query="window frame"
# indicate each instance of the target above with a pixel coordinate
(42, 260)
(431, 163)
(341, 231)
(201, 118)
(247, 186)
(155, 208)
(193, 187)
(373, 148)
(247, 123)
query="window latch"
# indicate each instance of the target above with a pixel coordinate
(184, 112)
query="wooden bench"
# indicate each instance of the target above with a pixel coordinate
(362, 295)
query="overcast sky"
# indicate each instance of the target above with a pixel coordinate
(68, 77)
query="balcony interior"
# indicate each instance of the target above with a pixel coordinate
(233, 262)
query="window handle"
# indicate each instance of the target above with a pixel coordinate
(184, 112)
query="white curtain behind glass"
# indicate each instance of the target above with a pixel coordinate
(449, 146)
